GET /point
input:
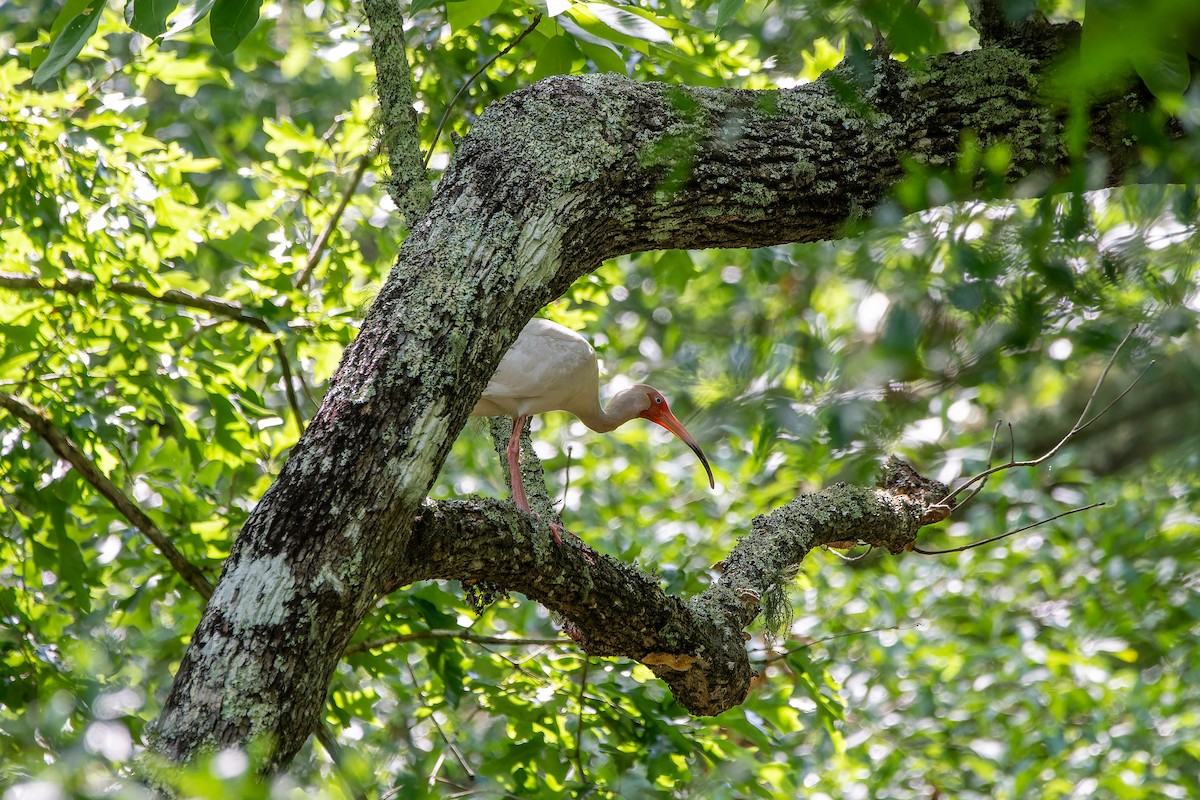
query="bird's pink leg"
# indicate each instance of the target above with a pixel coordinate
(514, 465)
(514, 474)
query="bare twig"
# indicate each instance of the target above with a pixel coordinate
(566, 482)
(286, 368)
(1006, 534)
(446, 114)
(78, 283)
(991, 454)
(40, 423)
(798, 648)
(318, 248)
(458, 756)
(579, 728)
(1080, 424)
(114, 66)
(304, 386)
(462, 634)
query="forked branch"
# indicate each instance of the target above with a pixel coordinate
(949, 504)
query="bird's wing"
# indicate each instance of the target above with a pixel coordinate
(546, 369)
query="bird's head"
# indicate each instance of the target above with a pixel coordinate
(654, 407)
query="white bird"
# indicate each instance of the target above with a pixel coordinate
(552, 368)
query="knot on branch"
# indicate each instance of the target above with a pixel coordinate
(902, 480)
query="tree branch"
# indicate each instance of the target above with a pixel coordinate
(466, 85)
(614, 609)
(1081, 424)
(318, 248)
(462, 634)
(400, 136)
(285, 367)
(77, 283)
(40, 423)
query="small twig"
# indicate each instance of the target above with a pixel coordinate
(325, 145)
(318, 248)
(40, 423)
(1005, 535)
(462, 634)
(1080, 424)
(798, 648)
(446, 114)
(114, 67)
(991, 455)
(286, 368)
(304, 386)
(54, 377)
(458, 756)
(566, 482)
(579, 728)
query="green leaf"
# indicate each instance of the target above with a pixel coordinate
(69, 11)
(150, 16)
(464, 14)
(604, 56)
(1164, 69)
(187, 18)
(726, 11)
(69, 567)
(70, 41)
(556, 58)
(231, 22)
(630, 24)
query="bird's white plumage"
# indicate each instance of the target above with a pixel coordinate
(552, 368)
(548, 368)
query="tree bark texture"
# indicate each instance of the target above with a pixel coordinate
(551, 181)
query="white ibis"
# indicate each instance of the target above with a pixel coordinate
(552, 368)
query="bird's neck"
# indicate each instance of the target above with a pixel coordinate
(624, 406)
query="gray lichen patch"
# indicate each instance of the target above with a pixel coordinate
(256, 591)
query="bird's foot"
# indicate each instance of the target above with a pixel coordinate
(557, 531)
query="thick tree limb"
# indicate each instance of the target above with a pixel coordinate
(551, 181)
(613, 609)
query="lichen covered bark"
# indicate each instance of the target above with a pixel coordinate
(551, 181)
(696, 645)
